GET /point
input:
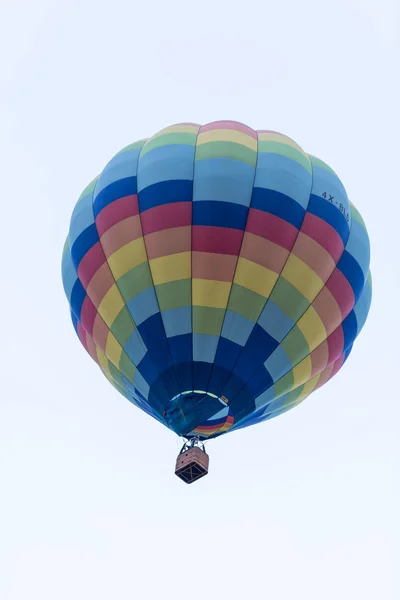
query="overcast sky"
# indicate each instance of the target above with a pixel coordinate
(301, 507)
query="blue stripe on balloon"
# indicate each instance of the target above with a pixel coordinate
(181, 351)
(284, 176)
(349, 327)
(358, 246)
(201, 374)
(181, 348)
(87, 239)
(165, 192)
(78, 295)
(224, 180)
(121, 167)
(143, 306)
(152, 332)
(114, 191)
(353, 273)
(74, 321)
(166, 163)
(81, 220)
(135, 347)
(260, 382)
(326, 182)
(274, 321)
(331, 214)
(225, 359)
(236, 328)
(69, 275)
(204, 347)
(279, 205)
(141, 384)
(362, 306)
(259, 346)
(278, 363)
(219, 214)
(177, 321)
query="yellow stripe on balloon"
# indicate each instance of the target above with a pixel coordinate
(302, 372)
(271, 136)
(177, 129)
(103, 362)
(113, 350)
(111, 305)
(207, 292)
(312, 328)
(255, 277)
(172, 267)
(126, 258)
(302, 277)
(91, 346)
(308, 387)
(227, 135)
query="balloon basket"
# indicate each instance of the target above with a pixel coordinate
(192, 462)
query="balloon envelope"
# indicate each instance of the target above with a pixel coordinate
(218, 275)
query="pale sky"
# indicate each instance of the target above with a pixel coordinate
(304, 506)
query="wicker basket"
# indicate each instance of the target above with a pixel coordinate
(191, 465)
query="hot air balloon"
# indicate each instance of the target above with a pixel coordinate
(218, 275)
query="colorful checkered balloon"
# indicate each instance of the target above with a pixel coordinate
(218, 275)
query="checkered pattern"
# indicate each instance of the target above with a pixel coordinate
(218, 259)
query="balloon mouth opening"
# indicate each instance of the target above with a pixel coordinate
(198, 414)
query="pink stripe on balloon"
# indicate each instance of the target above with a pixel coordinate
(328, 310)
(100, 283)
(91, 347)
(342, 291)
(169, 241)
(166, 216)
(233, 125)
(209, 265)
(100, 333)
(271, 228)
(120, 234)
(324, 377)
(326, 236)
(263, 252)
(116, 211)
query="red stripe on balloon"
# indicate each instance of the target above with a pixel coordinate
(335, 344)
(219, 240)
(88, 315)
(117, 211)
(319, 359)
(337, 366)
(271, 228)
(82, 336)
(91, 263)
(321, 232)
(166, 216)
(342, 291)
